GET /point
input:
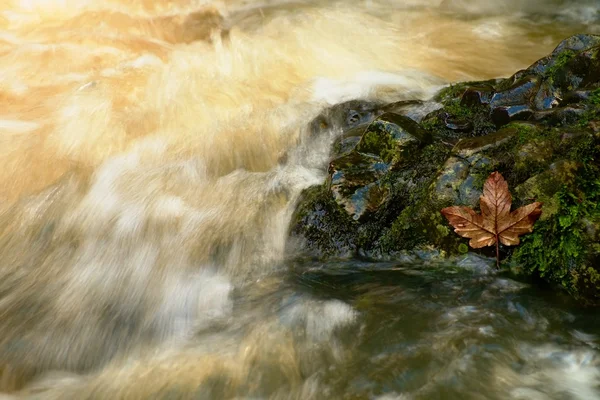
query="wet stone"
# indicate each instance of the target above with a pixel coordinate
(389, 178)
(345, 145)
(354, 182)
(366, 199)
(560, 115)
(519, 93)
(535, 151)
(576, 96)
(587, 67)
(458, 124)
(477, 95)
(467, 192)
(401, 107)
(547, 96)
(321, 226)
(470, 146)
(506, 114)
(564, 77)
(415, 110)
(571, 136)
(345, 116)
(365, 154)
(460, 181)
(515, 102)
(356, 169)
(578, 43)
(390, 135)
(454, 172)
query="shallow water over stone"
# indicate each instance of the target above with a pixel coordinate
(430, 330)
(152, 154)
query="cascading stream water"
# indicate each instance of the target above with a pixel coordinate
(152, 154)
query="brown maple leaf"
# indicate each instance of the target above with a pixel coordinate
(496, 223)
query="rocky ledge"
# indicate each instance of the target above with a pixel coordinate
(394, 169)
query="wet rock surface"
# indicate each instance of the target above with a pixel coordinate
(393, 169)
(355, 182)
(569, 75)
(346, 116)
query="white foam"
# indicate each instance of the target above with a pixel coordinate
(320, 318)
(192, 302)
(17, 126)
(364, 85)
(559, 372)
(147, 60)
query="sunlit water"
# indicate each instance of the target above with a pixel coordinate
(151, 155)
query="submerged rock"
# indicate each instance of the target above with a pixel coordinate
(390, 174)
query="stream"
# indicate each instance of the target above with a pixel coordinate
(152, 156)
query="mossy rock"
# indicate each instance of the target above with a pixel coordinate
(392, 137)
(321, 227)
(540, 129)
(354, 181)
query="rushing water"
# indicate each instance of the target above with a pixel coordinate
(151, 154)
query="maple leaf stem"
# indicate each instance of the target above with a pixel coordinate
(497, 254)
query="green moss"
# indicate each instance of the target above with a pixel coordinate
(418, 219)
(593, 111)
(456, 90)
(475, 115)
(560, 63)
(583, 150)
(558, 250)
(380, 143)
(557, 165)
(432, 125)
(532, 149)
(442, 230)
(482, 172)
(587, 117)
(474, 121)
(524, 131)
(451, 92)
(587, 280)
(323, 223)
(392, 137)
(595, 97)
(565, 161)
(455, 108)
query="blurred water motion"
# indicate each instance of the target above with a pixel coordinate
(144, 204)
